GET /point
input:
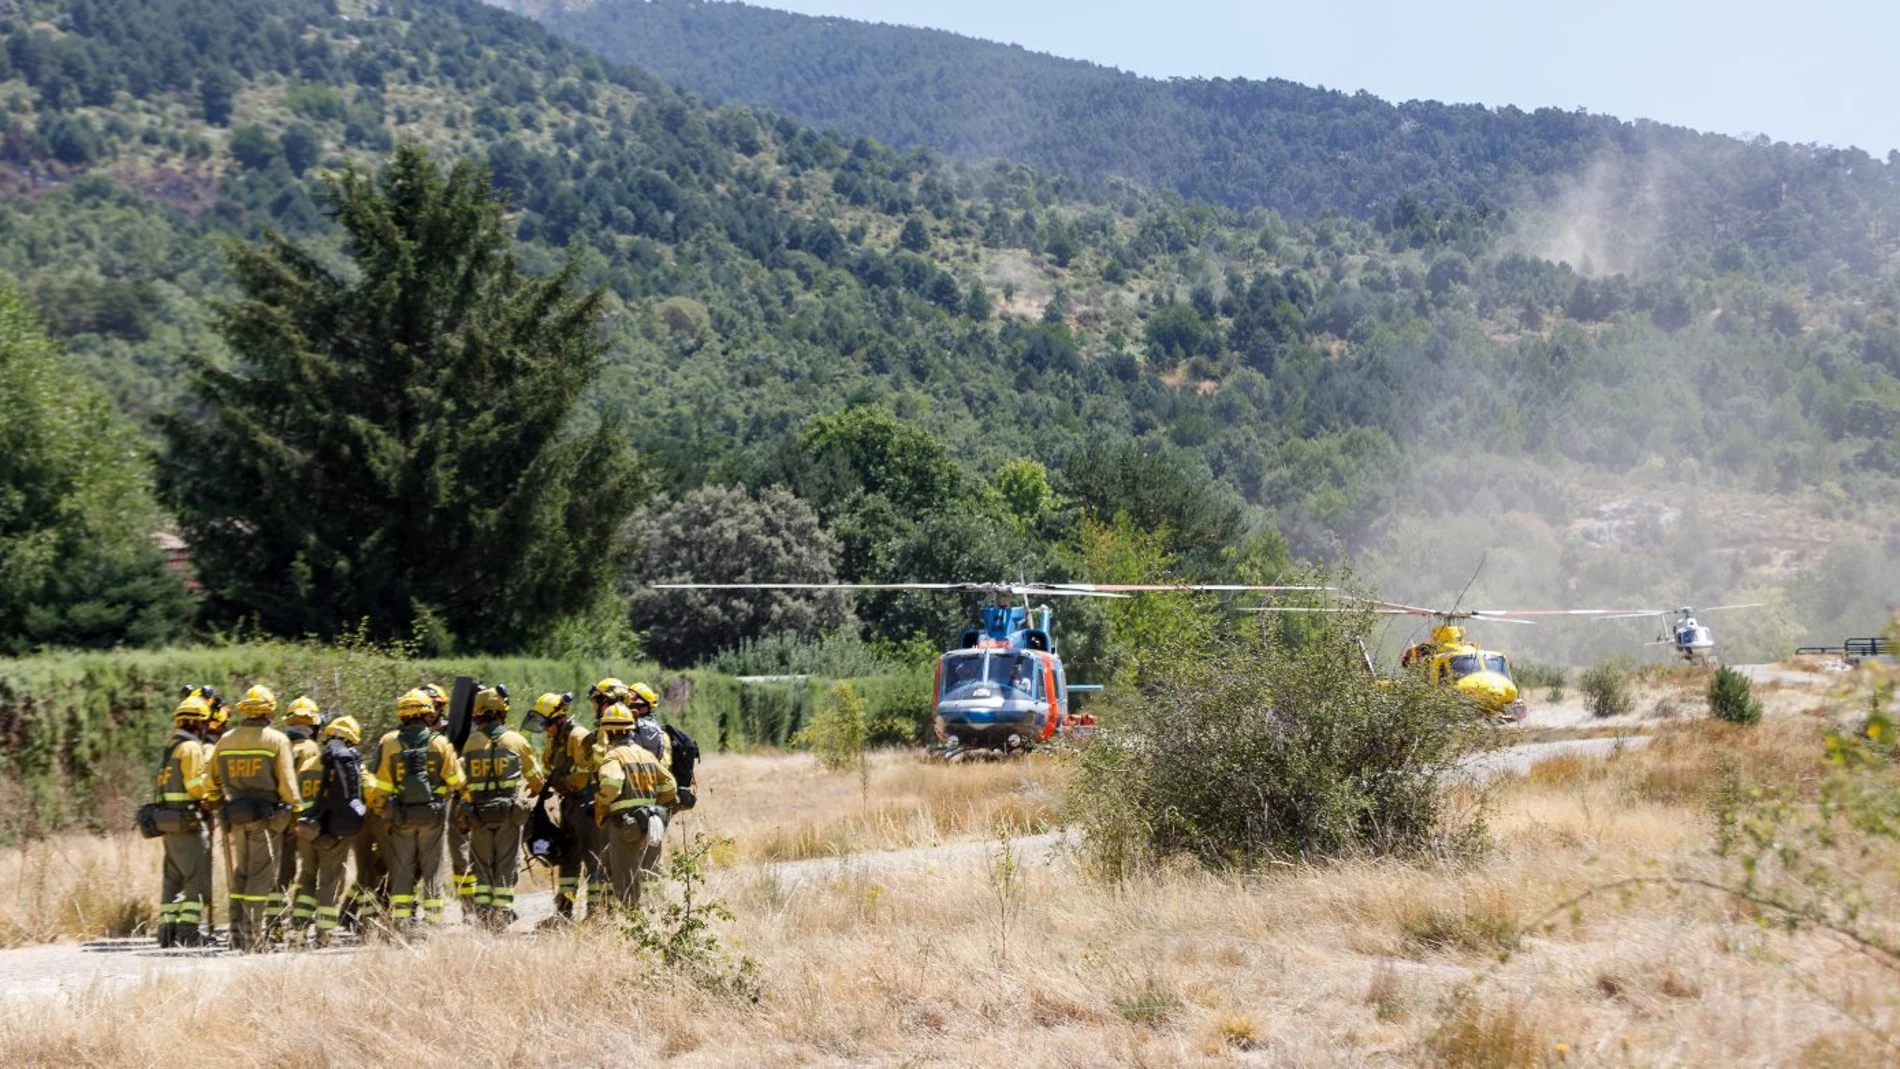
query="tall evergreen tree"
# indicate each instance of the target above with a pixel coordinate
(398, 443)
(77, 563)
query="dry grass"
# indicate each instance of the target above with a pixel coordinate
(1376, 962)
(785, 808)
(78, 886)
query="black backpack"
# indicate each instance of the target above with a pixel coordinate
(685, 757)
(417, 787)
(342, 786)
(542, 839)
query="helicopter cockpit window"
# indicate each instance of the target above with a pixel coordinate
(1495, 662)
(961, 671)
(1017, 672)
(991, 674)
(1463, 665)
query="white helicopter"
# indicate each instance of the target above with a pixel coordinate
(1692, 639)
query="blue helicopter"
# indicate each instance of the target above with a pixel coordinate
(1003, 690)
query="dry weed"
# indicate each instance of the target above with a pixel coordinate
(1485, 919)
(1474, 1037)
(866, 962)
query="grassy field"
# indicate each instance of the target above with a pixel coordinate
(972, 962)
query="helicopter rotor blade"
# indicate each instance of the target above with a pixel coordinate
(1189, 588)
(1725, 608)
(1062, 591)
(1318, 608)
(999, 588)
(1011, 589)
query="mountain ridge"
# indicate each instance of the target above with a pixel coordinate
(1273, 143)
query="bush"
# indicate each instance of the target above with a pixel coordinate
(1606, 689)
(1258, 749)
(1732, 697)
(1535, 675)
(837, 654)
(840, 731)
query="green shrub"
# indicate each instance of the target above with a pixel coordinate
(840, 731)
(1732, 697)
(1606, 688)
(1253, 749)
(836, 654)
(1533, 675)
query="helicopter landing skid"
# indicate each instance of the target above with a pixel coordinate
(963, 754)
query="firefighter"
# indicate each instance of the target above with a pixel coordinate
(569, 760)
(220, 712)
(503, 778)
(253, 779)
(181, 791)
(457, 838)
(335, 820)
(296, 869)
(650, 736)
(634, 788)
(213, 730)
(415, 771)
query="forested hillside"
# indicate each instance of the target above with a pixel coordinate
(1299, 150)
(966, 371)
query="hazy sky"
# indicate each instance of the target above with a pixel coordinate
(1816, 70)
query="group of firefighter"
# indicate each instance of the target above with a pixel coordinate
(298, 808)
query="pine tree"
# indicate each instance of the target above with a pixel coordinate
(398, 443)
(78, 566)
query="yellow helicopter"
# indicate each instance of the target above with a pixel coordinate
(1452, 658)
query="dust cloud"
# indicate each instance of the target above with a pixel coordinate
(1608, 219)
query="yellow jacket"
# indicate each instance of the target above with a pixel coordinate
(499, 766)
(569, 758)
(631, 776)
(385, 781)
(307, 756)
(182, 780)
(252, 760)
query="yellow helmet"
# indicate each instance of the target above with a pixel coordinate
(193, 710)
(345, 728)
(608, 691)
(258, 703)
(616, 716)
(414, 705)
(645, 694)
(491, 700)
(220, 716)
(304, 711)
(552, 704)
(437, 696)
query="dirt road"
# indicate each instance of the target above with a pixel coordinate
(81, 970)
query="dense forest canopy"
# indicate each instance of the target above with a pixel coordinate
(1243, 143)
(970, 370)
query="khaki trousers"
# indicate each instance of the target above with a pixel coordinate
(185, 884)
(626, 852)
(254, 853)
(495, 855)
(415, 871)
(328, 854)
(586, 860)
(459, 863)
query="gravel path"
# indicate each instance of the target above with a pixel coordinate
(77, 970)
